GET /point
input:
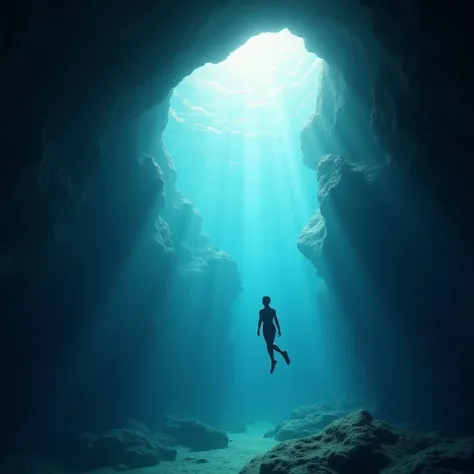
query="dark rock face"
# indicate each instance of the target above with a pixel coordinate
(118, 447)
(195, 435)
(124, 231)
(380, 277)
(358, 443)
(82, 184)
(391, 238)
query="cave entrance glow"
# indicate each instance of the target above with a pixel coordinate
(267, 88)
(233, 134)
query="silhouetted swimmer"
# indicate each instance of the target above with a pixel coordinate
(266, 317)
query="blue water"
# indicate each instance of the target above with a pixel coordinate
(233, 134)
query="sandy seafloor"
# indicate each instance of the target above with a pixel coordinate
(242, 448)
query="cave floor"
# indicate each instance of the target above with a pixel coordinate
(242, 448)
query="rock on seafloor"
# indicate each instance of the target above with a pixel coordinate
(305, 420)
(195, 434)
(359, 444)
(130, 447)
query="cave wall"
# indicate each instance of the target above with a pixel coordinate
(400, 80)
(125, 304)
(401, 283)
(391, 238)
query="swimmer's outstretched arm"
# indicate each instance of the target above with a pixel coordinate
(260, 320)
(277, 323)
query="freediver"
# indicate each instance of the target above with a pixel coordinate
(267, 316)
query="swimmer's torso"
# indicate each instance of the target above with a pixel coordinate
(267, 315)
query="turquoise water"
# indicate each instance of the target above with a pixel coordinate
(233, 134)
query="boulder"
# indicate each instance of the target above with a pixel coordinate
(357, 443)
(305, 420)
(302, 411)
(311, 239)
(307, 426)
(195, 435)
(134, 424)
(117, 447)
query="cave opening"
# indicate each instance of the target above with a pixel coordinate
(233, 134)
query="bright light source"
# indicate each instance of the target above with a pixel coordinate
(261, 56)
(266, 87)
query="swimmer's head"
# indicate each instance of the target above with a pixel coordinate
(266, 300)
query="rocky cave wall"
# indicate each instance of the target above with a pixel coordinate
(128, 302)
(399, 79)
(391, 237)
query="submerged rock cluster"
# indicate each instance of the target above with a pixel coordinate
(357, 443)
(129, 261)
(305, 421)
(377, 243)
(195, 434)
(136, 446)
(118, 447)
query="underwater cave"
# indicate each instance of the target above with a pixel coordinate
(233, 136)
(150, 199)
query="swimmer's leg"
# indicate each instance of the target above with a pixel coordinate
(276, 348)
(272, 358)
(269, 339)
(283, 353)
(270, 351)
(286, 357)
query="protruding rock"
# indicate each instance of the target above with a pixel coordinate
(329, 174)
(335, 174)
(300, 412)
(306, 420)
(195, 435)
(131, 447)
(134, 424)
(212, 265)
(311, 240)
(358, 443)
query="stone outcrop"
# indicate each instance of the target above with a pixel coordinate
(311, 239)
(334, 171)
(371, 240)
(194, 434)
(391, 206)
(359, 443)
(129, 447)
(304, 421)
(125, 247)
